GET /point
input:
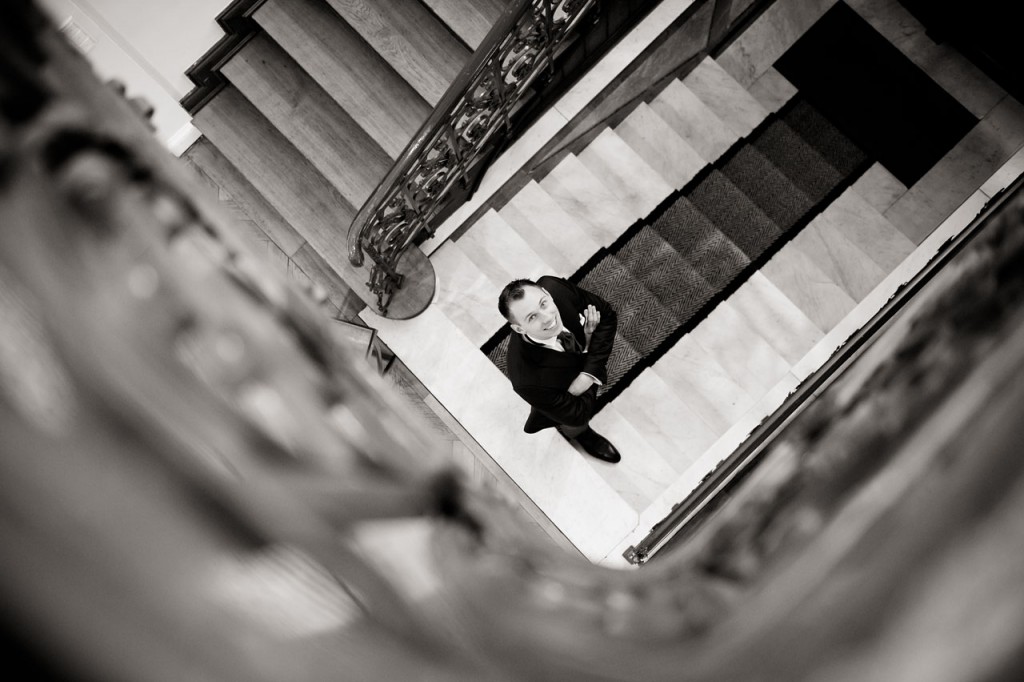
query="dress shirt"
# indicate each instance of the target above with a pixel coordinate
(554, 344)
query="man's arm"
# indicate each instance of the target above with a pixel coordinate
(595, 359)
(560, 405)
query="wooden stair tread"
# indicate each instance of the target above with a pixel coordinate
(289, 182)
(306, 115)
(468, 19)
(206, 156)
(411, 40)
(348, 69)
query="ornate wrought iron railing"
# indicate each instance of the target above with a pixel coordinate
(522, 45)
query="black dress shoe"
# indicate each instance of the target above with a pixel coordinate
(598, 446)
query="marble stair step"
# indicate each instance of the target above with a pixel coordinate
(729, 100)
(840, 259)
(582, 195)
(500, 251)
(660, 146)
(642, 474)
(869, 230)
(740, 350)
(563, 240)
(797, 275)
(776, 318)
(702, 384)
(671, 427)
(545, 466)
(465, 294)
(636, 184)
(693, 120)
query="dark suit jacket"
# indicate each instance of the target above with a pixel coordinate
(542, 375)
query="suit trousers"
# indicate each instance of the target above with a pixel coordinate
(572, 432)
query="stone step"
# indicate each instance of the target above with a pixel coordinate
(729, 100)
(642, 474)
(582, 195)
(737, 347)
(465, 294)
(775, 318)
(562, 240)
(411, 39)
(637, 186)
(348, 69)
(798, 276)
(672, 428)
(694, 121)
(660, 146)
(309, 118)
(500, 251)
(868, 229)
(703, 385)
(824, 241)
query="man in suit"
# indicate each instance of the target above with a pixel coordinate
(557, 356)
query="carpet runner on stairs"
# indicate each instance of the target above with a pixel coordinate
(671, 268)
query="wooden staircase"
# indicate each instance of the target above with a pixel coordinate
(318, 106)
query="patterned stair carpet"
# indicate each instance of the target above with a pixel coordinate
(669, 270)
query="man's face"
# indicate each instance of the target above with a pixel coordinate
(535, 314)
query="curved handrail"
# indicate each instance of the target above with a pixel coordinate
(521, 44)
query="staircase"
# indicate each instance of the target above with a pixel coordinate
(734, 233)
(722, 216)
(318, 106)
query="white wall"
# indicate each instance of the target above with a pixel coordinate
(147, 44)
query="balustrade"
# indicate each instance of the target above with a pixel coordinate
(459, 135)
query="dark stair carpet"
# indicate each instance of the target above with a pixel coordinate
(872, 92)
(669, 270)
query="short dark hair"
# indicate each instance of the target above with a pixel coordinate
(513, 291)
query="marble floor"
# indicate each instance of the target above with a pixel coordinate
(679, 419)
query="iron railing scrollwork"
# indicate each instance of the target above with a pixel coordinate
(479, 103)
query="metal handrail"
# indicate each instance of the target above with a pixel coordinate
(518, 48)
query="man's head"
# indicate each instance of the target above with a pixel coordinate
(529, 309)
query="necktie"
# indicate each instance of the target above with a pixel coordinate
(568, 341)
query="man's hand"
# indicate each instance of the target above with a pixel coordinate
(581, 384)
(589, 318)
